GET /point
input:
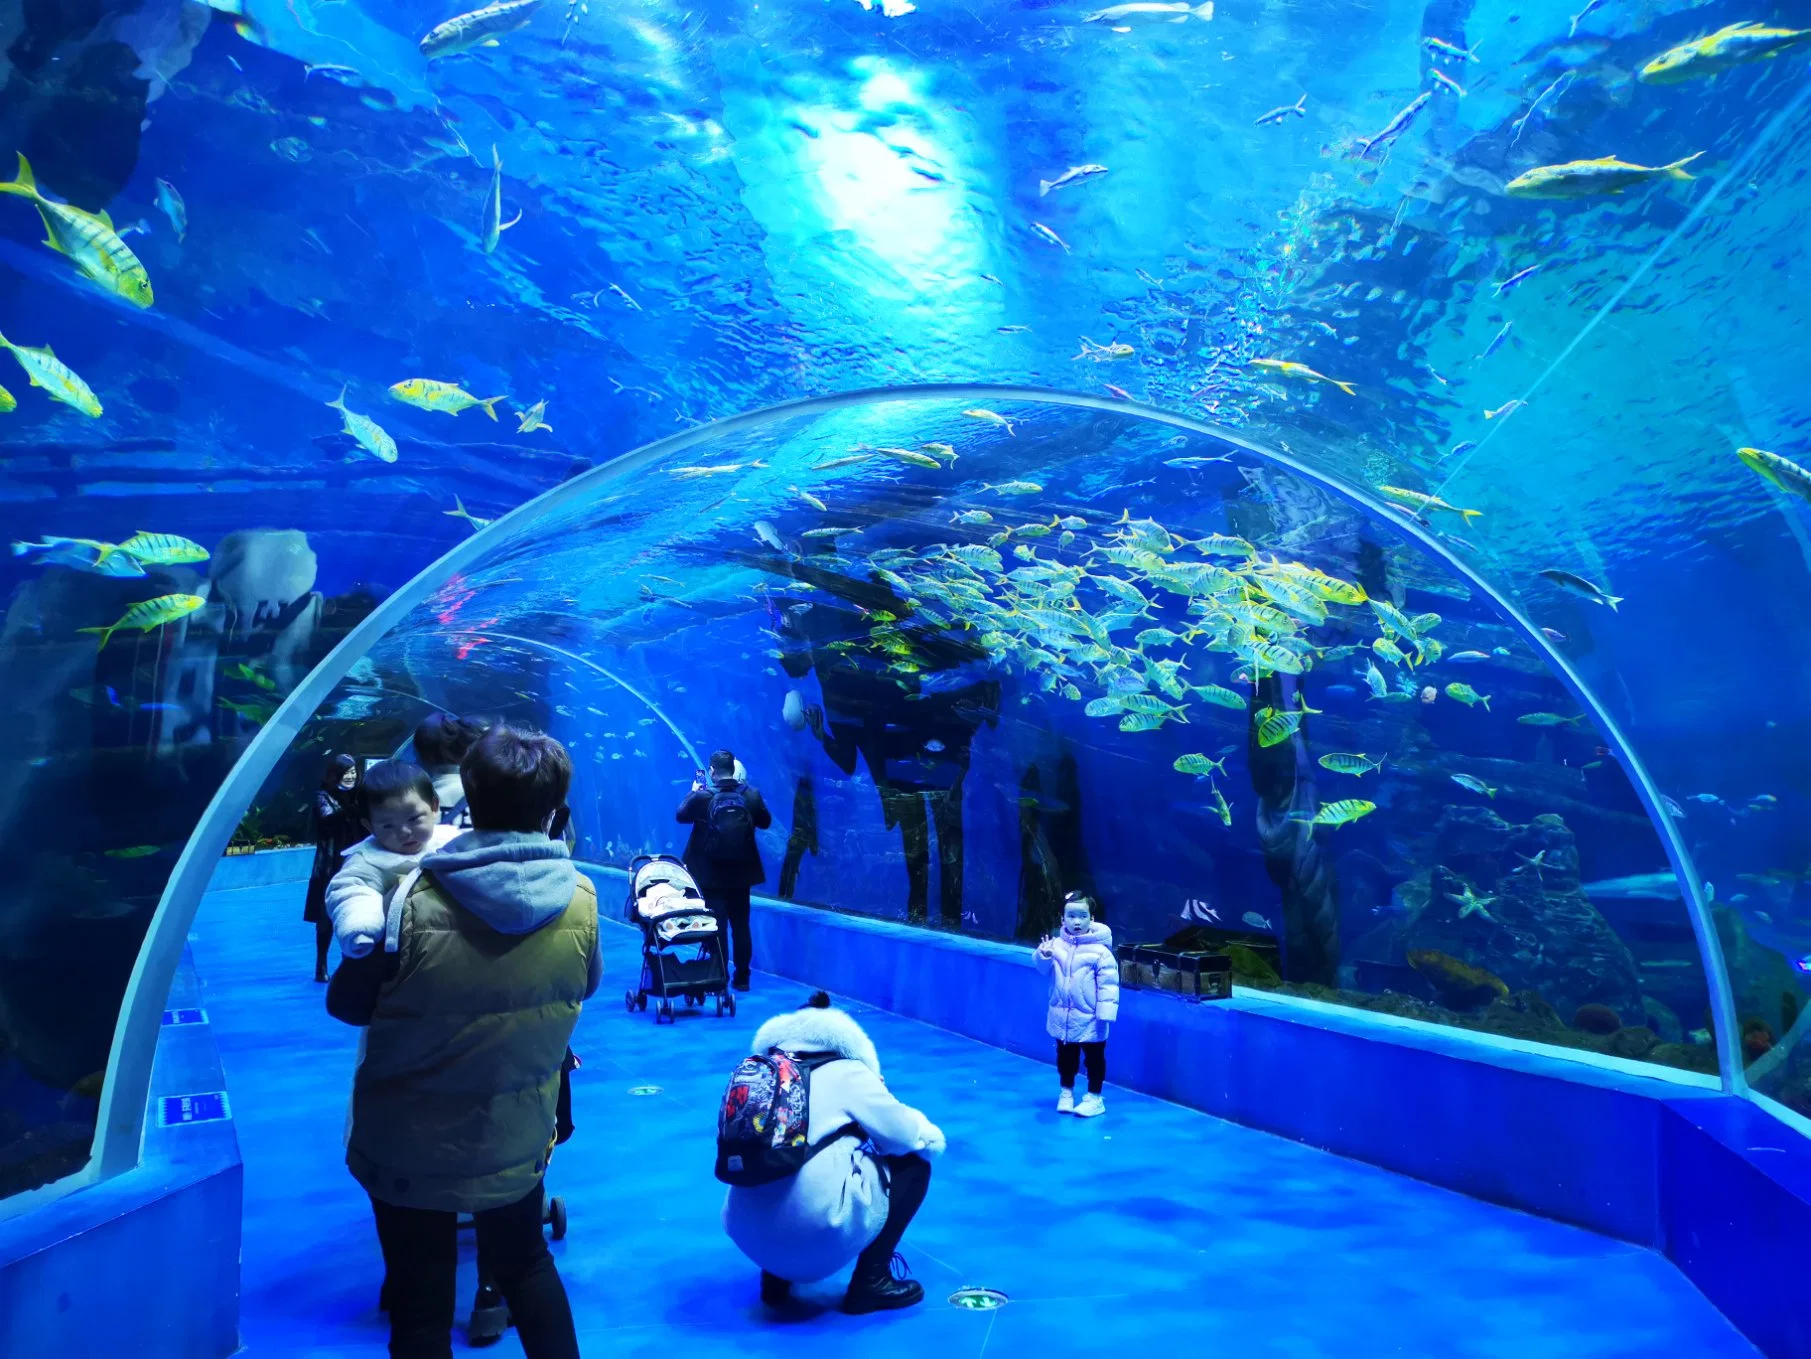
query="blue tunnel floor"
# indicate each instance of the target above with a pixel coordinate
(1154, 1226)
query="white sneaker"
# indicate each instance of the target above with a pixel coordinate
(1090, 1107)
(1065, 1102)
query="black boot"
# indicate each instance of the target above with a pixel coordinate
(490, 1317)
(775, 1291)
(740, 981)
(882, 1289)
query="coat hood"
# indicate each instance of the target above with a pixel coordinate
(814, 1030)
(1096, 933)
(514, 881)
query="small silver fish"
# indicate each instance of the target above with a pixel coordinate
(1504, 411)
(1045, 233)
(1281, 115)
(1519, 278)
(170, 204)
(1396, 127)
(1496, 341)
(1256, 921)
(1075, 174)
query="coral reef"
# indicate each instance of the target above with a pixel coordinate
(1595, 1018)
(1506, 899)
(1523, 1015)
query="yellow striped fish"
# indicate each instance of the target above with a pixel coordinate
(57, 379)
(449, 397)
(87, 238)
(370, 436)
(151, 613)
(1341, 813)
(163, 549)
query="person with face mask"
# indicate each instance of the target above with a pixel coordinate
(1084, 1001)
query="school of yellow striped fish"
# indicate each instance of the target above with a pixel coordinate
(1087, 628)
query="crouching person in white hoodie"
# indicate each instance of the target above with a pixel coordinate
(824, 1165)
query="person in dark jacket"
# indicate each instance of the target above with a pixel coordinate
(470, 1005)
(441, 742)
(724, 812)
(336, 830)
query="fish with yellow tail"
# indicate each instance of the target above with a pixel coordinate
(1720, 51)
(1423, 503)
(163, 549)
(1472, 783)
(8, 402)
(151, 613)
(1340, 762)
(1782, 472)
(87, 238)
(480, 28)
(364, 431)
(57, 379)
(1341, 813)
(1467, 695)
(450, 397)
(1592, 178)
(460, 512)
(528, 421)
(82, 554)
(1303, 371)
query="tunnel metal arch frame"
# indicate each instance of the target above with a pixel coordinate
(120, 1127)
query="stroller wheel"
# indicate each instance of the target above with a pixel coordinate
(729, 1006)
(641, 1001)
(664, 1012)
(719, 1007)
(629, 1001)
(556, 1217)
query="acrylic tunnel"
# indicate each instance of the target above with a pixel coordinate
(1270, 537)
(979, 649)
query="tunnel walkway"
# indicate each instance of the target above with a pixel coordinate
(1154, 1228)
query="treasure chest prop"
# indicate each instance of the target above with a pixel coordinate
(1197, 976)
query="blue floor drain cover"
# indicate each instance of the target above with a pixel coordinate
(979, 1299)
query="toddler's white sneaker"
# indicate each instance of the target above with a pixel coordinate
(1065, 1102)
(1090, 1107)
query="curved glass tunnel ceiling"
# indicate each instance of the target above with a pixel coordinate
(726, 207)
(978, 650)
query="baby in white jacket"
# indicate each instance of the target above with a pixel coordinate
(403, 815)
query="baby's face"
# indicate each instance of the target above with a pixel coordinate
(404, 825)
(1076, 918)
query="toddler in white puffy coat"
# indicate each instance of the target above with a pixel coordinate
(1084, 1000)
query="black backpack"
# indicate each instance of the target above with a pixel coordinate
(727, 825)
(765, 1120)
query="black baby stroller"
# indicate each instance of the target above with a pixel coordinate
(668, 907)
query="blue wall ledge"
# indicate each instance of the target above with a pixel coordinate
(1661, 1159)
(145, 1264)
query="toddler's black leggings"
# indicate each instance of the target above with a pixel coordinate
(1069, 1061)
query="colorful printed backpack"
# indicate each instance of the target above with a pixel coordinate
(764, 1125)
